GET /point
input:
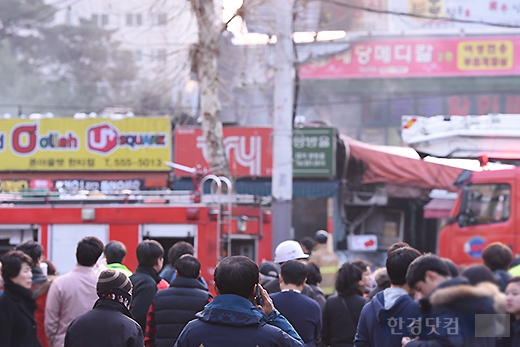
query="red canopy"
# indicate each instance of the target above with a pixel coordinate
(438, 208)
(380, 165)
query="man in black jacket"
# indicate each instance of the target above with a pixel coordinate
(174, 307)
(150, 259)
(109, 323)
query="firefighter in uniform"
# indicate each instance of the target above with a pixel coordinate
(326, 260)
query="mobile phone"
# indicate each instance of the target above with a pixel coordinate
(258, 296)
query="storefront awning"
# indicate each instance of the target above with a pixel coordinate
(396, 165)
(438, 208)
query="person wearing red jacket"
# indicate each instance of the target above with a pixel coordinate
(40, 286)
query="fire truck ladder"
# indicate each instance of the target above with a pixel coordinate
(224, 216)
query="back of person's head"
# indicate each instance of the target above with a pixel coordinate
(178, 250)
(33, 249)
(397, 245)
(428, 262)
(268, 271)
(477, 274)
(497, 256)
(398, 262)
(347, 282)
(454, 270)
(114, 286)
(321, 236)
(12, 264)
(188, 266)
(381, 277)
(110, 279)
(148, 252)
(361, 264)
(313, 274)
(89, 250)
(307, 243)
(294, 272)
(236, 275)
(115, 252)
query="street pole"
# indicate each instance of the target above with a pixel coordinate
(282, 124)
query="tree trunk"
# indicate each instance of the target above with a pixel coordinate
(204, 63)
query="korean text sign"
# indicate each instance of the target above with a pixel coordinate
(431, 57)
(67, 144)
(250, 151)
(314, 152)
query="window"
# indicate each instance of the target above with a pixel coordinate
(134, 19)
(162, 19)
(159, 19)
(488, 203)
(100, 20)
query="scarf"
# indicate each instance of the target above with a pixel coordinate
(115, 299)
(20, 292)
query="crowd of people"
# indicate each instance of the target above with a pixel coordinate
(303, 298)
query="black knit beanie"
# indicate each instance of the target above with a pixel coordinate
(112, 279)
(115, 286)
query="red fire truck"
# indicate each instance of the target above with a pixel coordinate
(486, 209)
(217, 224)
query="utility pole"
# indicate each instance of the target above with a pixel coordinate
(282, 123)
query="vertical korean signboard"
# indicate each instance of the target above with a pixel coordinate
(132, 144)
(314, 152)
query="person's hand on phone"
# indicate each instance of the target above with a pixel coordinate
(268, 305)
(405, 341)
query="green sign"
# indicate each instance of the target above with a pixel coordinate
(314, 152)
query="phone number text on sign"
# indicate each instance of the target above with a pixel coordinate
(134, 163)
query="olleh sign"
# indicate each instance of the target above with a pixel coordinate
(85, 145)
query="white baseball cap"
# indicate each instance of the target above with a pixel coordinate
(289, 250)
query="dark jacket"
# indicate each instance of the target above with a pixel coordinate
(145, 281)
(302, 312)
(340, 319)
(173, 308)
(457, 297)
(318, 296)
(108, 324)
(274, 287)
(231, 320)
(514, 338)
(370, 330)
(502, 276)
(17, 322)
